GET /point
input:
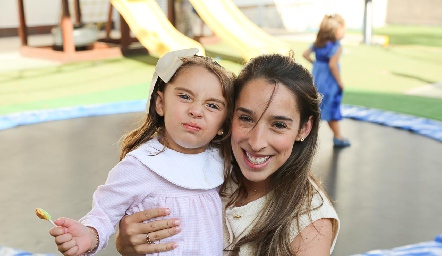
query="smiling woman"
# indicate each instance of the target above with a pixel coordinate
(274, 205)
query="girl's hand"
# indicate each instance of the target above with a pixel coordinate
(341, 85)
(131, 236)
(71, 237)
(306, 55)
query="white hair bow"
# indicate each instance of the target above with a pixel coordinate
(166, 68)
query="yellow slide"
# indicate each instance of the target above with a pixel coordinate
(152, 28)
(231, 25)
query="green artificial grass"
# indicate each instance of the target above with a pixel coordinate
(393, 69)
(412, 35)
(412, 105)
(80, 83)
(374, 76)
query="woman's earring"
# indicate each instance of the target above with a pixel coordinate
(302, 139)
(220, 133)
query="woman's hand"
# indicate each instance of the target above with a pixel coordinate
(132, 235)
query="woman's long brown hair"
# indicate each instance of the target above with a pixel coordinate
(292, 190)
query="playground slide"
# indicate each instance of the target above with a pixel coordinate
(230, 24)
(152, 28)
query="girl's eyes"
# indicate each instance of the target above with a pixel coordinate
(212, 105)
(184, 96)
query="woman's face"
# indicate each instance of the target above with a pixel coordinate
(262, 145)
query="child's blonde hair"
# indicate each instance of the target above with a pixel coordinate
(327, 29)
(154, 124)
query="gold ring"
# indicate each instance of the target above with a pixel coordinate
(148, 239)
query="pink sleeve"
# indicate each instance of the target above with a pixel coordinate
(122, 189)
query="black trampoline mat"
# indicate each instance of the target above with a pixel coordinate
(386, 186)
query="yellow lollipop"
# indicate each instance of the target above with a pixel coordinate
(44, 215)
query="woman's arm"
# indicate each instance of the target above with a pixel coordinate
(334, 67)
(306, 55)
(131, 236)
(314, 240)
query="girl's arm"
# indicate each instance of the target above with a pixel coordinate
(334, 67)
(306, 55)
(131, 236)
(314, 240)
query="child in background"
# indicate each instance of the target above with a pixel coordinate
(326, 72)
(174, 159)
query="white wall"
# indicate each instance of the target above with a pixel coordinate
(47, 12)
(40, 12)
(294, 15)
(301, 15)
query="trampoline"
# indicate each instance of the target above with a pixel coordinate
(386, 186)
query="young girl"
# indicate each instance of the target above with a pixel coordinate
(326, 72)
(174, 159)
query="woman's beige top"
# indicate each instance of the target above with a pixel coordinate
(238, 221)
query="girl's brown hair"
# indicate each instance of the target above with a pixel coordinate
(327, 29)
(291, 187)
(153, 124)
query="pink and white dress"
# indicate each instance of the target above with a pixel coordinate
(147, 178)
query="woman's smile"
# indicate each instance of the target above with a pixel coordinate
(255, 161)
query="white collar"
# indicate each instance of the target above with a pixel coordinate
(193, 171)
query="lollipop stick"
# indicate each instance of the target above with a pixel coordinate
(53, 223)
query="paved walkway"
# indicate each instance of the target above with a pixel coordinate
(10, 58)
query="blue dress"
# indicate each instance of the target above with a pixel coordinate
(326, 83)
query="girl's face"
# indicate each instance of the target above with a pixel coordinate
(194, 110)
(261, 147)
(340, 32)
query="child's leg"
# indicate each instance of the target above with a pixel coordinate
(334, 126)
(338, 140)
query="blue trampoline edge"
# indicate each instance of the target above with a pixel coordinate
(7, 251)
(430, 248)
(423, 126)
(38, 116)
